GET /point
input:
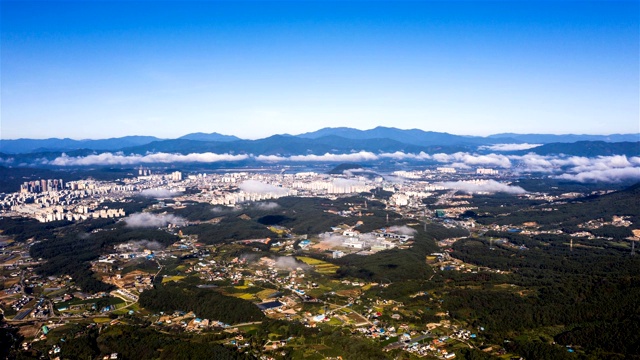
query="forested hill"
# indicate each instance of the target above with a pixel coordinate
(588, 148)
(620, 203)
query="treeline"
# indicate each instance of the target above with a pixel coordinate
(23, 229)
(606, 338)
(583, 289)
(138, 343)
(228, 230)
(205, 303)
(621, 203)
(197, 211)
(551, 260)
(131, 205)
(540, 350)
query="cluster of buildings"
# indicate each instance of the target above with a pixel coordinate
(52, 200)
(42, 185)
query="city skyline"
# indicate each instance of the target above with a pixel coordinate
(262, 68)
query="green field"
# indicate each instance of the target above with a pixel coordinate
(320, 266)
(172, 278)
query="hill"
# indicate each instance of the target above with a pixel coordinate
(552, 138)
(209, 137)
(588, 148)
(412, 136)
(54, 144)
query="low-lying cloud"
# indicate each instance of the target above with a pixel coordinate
(159, 193)
(161, 158)
(145, 244)
(508, 147)
(331, 239)
(474, 159)
(148, 220)
(269, 205)
(403, 230)
(580, 168)
(289, 263)
(353, 157)
(257, 187)
(488, 186)
(220, 210)
(609, 175)
(615, 168)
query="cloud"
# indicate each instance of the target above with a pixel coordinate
(145, 244)
(290, 263)
(602, 163)
(144, 220)
(508, 147)
(474, 159)
(359, 172)
(490, 186)
(608, 175)
(352, 157)
(358, 156)
(399, 155)
(159, 193)
(570, 166)
(331, 239)
(121, 159)
(266, 205)
(459, 165)
(220, 210)
(257, 187)
(340, 182)
(271, 158)
(534, 163)
(403, 230)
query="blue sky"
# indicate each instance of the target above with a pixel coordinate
(252, 69)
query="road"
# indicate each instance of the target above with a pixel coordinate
(399, 344)
(246, 324)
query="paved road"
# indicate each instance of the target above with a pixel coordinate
(399, 344)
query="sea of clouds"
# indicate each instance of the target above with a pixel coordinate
(614, 168)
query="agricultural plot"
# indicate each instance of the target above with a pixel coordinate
(319, 266)
(172, 278)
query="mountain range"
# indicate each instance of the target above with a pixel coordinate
(320, 141)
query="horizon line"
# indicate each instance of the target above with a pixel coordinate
(324, 128)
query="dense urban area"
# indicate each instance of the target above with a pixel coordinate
(433, 262)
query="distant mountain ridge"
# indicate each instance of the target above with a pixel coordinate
(587, 148)
(320, 141)
(551, 138)
(288, 145)
(209, 137)
(411, 136)
(54, 144)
